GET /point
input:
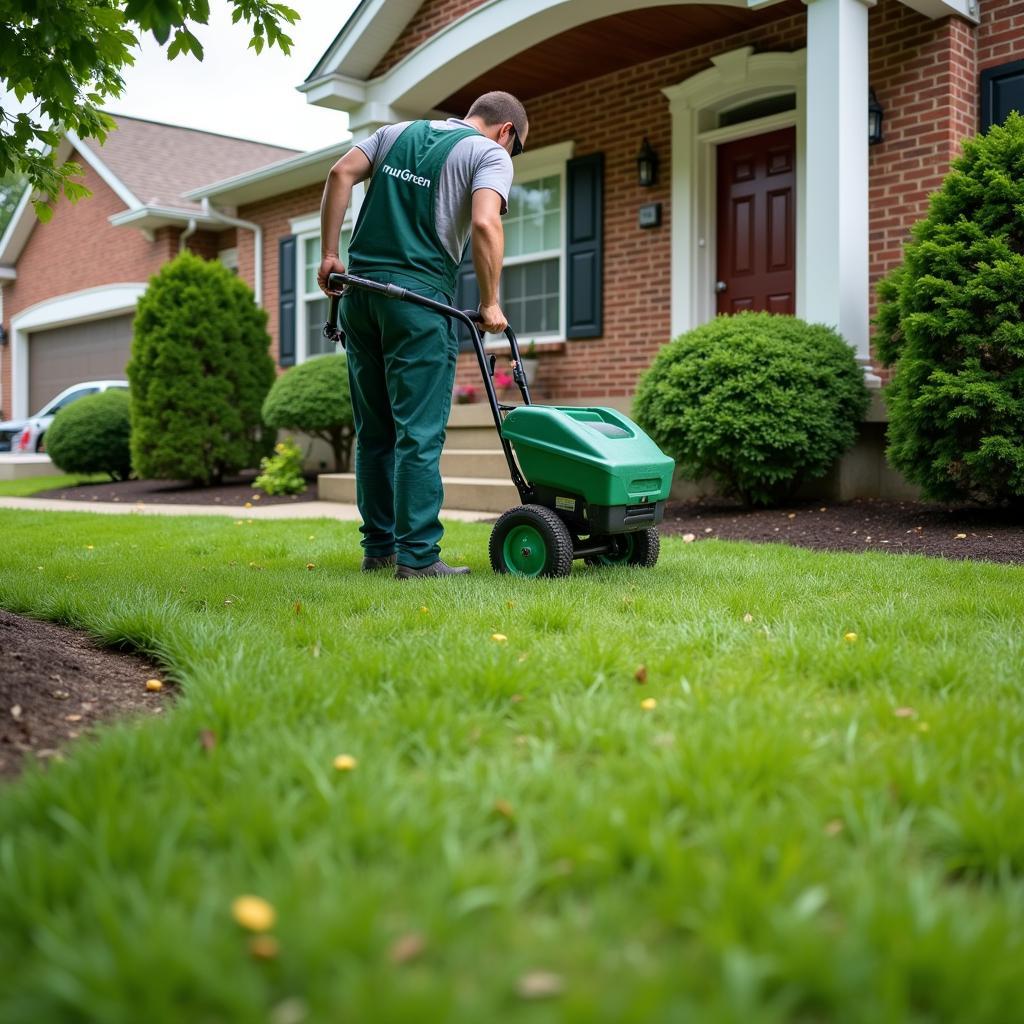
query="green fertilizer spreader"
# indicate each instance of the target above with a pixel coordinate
(593, 485)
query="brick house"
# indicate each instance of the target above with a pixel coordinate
(69, 287)
(767, 193)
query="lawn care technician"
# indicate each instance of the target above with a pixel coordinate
(433, 185)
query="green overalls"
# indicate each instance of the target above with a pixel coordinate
(401, 357)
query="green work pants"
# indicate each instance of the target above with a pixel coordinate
(401, 370)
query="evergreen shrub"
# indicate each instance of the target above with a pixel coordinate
(951, 320)
(199, 371)
(92, 435)
(755, 401)
(314, 398)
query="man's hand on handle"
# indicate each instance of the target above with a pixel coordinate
(330, 264)
(492, 319)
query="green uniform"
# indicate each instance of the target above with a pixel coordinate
(401, 358)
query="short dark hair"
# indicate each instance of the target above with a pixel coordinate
(499, 107)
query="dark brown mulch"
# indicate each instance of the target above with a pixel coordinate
(905, 527)
(233, 492)
(56, 683)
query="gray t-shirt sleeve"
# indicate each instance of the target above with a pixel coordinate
(494, 170)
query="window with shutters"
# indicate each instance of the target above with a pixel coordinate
(311, 304)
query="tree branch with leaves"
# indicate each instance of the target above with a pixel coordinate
(68, 55)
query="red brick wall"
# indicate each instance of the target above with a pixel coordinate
(273, 216)
(431, 17)
(1001, 33)
(924, 75)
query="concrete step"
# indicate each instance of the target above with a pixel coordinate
(474, 462)
(471, 437)
(468, 493)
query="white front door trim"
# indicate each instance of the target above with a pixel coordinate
(62, 311)
(736, 77)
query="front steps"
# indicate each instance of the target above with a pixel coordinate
(473, 467)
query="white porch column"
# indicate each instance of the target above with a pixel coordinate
(837, 170)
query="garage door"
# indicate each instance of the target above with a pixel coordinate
(62, 356)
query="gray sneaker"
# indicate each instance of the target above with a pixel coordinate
(407, 572)
(371, 563)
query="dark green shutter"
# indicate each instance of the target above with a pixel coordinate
(286, 300)
(584, 247)
(467, 294)
(1002, 90)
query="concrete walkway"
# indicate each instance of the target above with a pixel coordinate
(298, 510)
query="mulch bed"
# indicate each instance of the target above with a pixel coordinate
(57, 683)
(233, 492)
(862, 525)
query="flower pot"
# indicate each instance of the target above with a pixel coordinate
(530, 370)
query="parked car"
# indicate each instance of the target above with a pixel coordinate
(29, 435)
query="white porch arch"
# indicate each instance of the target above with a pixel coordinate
(468, 48)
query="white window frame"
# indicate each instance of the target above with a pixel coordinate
(304, 228)
(546, 162)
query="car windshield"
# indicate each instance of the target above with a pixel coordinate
(51, 410)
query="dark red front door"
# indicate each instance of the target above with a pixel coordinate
(757, 223)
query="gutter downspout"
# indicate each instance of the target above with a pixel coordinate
(257, 233)
(190, 230)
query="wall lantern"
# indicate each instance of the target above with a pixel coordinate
(3, 335)
(874, 118)
(646, 164)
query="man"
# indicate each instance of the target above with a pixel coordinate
(434, 185)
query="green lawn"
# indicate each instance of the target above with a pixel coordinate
(805, 828)
(34, 484)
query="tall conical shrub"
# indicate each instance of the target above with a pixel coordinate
(952, 322)
(200, 369)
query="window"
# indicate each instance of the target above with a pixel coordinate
(1002, 90)
(532, 287)
(313, 304)
(531, 281)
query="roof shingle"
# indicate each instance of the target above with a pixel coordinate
(158, 162)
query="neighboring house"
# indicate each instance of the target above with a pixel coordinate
(767, 194)
(69, 287)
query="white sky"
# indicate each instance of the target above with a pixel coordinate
(232, 90)
(235, 92)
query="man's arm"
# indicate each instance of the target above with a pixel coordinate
(351, 169)
(488, 254)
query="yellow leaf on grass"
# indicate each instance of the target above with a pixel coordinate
(253, 913)
(345, 762)
(850, 638)
(499, 638)
(649, 704)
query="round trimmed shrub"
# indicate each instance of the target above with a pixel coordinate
(755, 401)
(199, 371)
(951, 320)
(93, 435)
(314, 398)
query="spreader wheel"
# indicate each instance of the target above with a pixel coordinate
(530, 540)
(639, 548)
